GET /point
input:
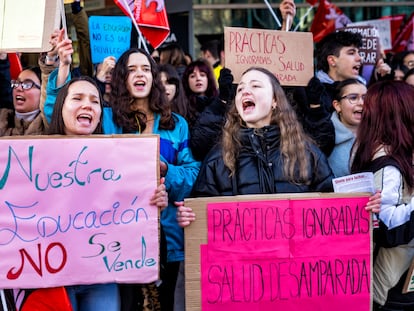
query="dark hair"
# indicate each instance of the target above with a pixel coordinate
(339, 87)
(213, 46)
(121, 99)
(294, 143)
(36, 70)
(57, 125)
(387, 123)
(332, 45)
(211, 91)
(405, 54)
(409, 73)
(179, 103)
(174, 54)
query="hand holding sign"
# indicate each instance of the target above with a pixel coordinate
(288, 10)
(65, 48)
(104, 71)
(65, 51)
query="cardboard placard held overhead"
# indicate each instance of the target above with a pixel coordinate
(279, 252)
(26, 25)
(289, 55)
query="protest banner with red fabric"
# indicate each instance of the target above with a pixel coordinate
(312, 2)
(404, 40)
(395, 21)
(54, 298)
(328, 17)
(151, 18)
(15, 65)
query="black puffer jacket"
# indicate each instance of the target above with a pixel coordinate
(259, 169)
(207, 128)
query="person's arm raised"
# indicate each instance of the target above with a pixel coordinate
(65, 51)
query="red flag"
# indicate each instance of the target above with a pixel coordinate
(15, 65)
(47, 299)
(395, 23)
(312, 2)
(404, 40)
(151, 18)
(328, 17)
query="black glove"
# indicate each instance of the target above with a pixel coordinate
(314, 90)
(225, 82)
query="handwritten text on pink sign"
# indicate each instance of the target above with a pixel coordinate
(76, 211)
(282, 254)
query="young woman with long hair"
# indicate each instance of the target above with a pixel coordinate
(385, 146)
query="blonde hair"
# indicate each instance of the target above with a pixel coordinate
(293, 140)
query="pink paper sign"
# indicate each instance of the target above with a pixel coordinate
(76, 211)
(287, 254)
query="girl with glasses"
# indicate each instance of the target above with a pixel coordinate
(348, 104)
(25, 118)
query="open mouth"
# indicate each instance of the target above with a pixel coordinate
(248, 105)
(358, 113)
(20, 99)
(85, 119)
(140, 84)
(356, 68)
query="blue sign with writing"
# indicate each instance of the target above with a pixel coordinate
(109, 36)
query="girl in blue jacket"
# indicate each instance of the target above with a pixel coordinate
(139, 105)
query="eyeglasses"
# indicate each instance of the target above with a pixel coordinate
(353, 98)
(26, 84)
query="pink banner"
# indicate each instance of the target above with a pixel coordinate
(287, 254)
(76, 211)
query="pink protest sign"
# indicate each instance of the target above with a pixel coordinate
(76, 210)
(287, 254)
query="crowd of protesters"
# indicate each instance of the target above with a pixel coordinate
(227, 139)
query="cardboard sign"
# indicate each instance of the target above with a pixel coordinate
(26, 25)
(76, 210)
(409, 281)
(370, 49)
(279, 252)
(109, 36)
(289, 55)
